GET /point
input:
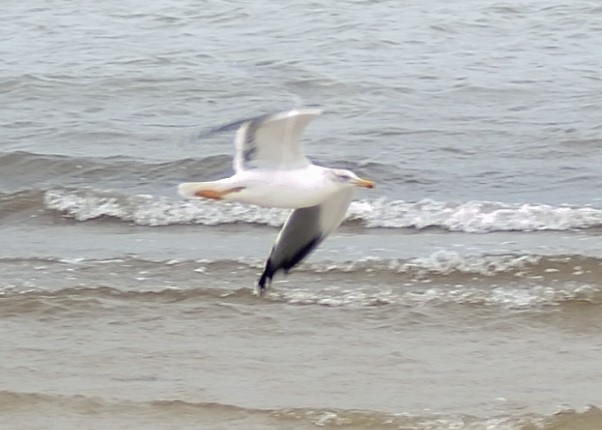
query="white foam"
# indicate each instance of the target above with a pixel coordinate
(440, 262)
(156, 211)
(441, 279)
(471, 217)
(446, 262)
(517, 297)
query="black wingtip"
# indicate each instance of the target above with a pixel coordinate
(261, 284)
(266, 278)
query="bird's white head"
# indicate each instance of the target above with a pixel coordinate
(348, 177)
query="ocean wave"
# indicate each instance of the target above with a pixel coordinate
(93, 300)
(21, 201)
(503, 281)
(174, 411)
(473, 216)
(451, 266)
(125, 189)
(440, 263)
(469, 217)
(508, 297)
(24, 170)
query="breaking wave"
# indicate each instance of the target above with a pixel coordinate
(72, 406)
(135, 191)
(506, 281)
(470, 217)
(439, 263)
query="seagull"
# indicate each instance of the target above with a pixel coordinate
(272, 171)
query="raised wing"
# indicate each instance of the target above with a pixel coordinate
(303, 231)
(273, 141)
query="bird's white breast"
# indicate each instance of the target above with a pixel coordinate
(295, 188)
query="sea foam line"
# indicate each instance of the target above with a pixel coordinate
(473, 216)
(470, 217)
(440, 265)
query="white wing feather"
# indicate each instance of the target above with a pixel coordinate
(272, 142)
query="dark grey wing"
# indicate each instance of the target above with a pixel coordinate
(302, 232)
(300, 235)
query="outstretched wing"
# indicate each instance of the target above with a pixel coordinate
(303, 231)
(273, 141)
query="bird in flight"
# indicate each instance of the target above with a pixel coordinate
(272, 171)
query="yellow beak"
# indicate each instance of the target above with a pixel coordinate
(365, 183)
